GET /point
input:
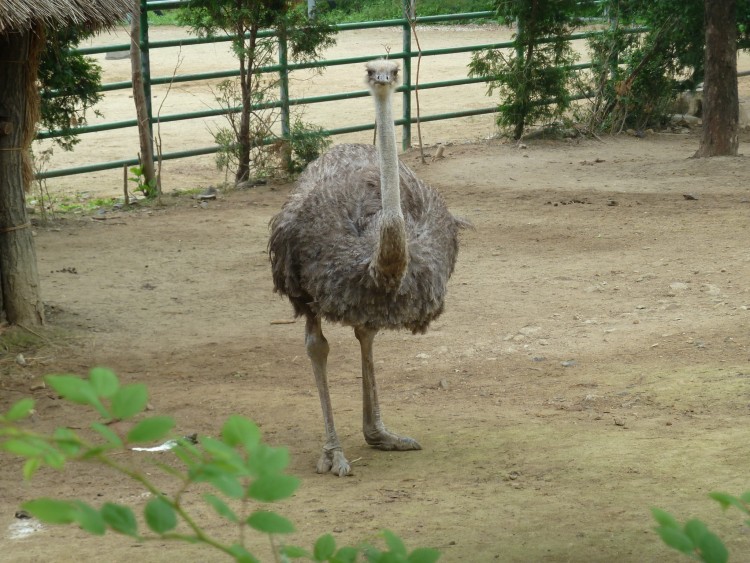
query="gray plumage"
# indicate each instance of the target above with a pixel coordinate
(363, 242)
(322, 244)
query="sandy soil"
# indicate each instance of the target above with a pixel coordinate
(592, 361)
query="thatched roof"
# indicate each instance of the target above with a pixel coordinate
(24, 14)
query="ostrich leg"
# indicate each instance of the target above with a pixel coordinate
(332, 458)
(375, 432)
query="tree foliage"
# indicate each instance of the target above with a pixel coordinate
(638, 75)
(249, 21)
(69, 84)
(534, 80)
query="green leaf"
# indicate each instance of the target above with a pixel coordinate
(346, 555)
(52, 511)
(54, 459)
(120, 518)
(89, 519)
(19, 410)
(221, 507)
(726, 500)
(294, 552)
(129, 400)
(30, 467)
(113, 440)
(68, 441)
(151, 429)
(160, 516)
(76, 390)
(219, 478)
(269, 522)
(104, 381)
(712, 549)
(394, 543)
(242, 555)
(238, 430)
(72, 388)
(188, 454)
(424, 555)
(267, 460)
(221, 451)
(23, 447)
(664, 518)
(324, 548)
(270, 488)
(695, 530)
(676, 539)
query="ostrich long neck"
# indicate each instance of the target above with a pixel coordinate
(387, 156)
(391, 255)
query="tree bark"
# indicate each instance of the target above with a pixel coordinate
(19, 106)
(720, 135)
(139, 97)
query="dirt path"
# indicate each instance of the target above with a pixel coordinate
(592, 362)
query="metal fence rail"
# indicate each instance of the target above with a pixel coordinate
(283, 68)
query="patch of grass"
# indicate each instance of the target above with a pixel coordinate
(15, 339)
(80, 203)
(179, 192)
(166, 17)
(366, 10)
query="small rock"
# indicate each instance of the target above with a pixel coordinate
(619, 422)
(689, 197)
(38, 386)
(569, 363)
(22, 515)
(21, 361)
(443, 384)
(423, 356)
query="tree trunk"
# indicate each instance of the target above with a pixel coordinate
(19, 106)
(139, 97)
(720, 135)
(247, 71)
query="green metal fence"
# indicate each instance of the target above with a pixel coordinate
(283, 68)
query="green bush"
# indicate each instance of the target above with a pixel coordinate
(247, 476)
(694, 539)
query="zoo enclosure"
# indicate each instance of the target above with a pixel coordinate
(283, 68)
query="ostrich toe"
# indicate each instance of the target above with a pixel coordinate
(335, 462)
(384, 440)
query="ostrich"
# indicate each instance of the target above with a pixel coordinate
(363, 242)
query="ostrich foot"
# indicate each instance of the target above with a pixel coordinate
(384, 440)
(335, 462)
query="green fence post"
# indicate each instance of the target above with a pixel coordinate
(406, 48)
(146, 65)
(284, 95)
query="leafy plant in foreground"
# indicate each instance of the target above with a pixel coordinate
(694, 539)
(246, 476)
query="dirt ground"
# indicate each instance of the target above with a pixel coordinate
(592, 362)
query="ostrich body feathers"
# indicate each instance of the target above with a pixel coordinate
(323, 245)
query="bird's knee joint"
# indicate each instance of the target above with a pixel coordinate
(316, 345)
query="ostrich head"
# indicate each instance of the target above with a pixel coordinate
(382, 76)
